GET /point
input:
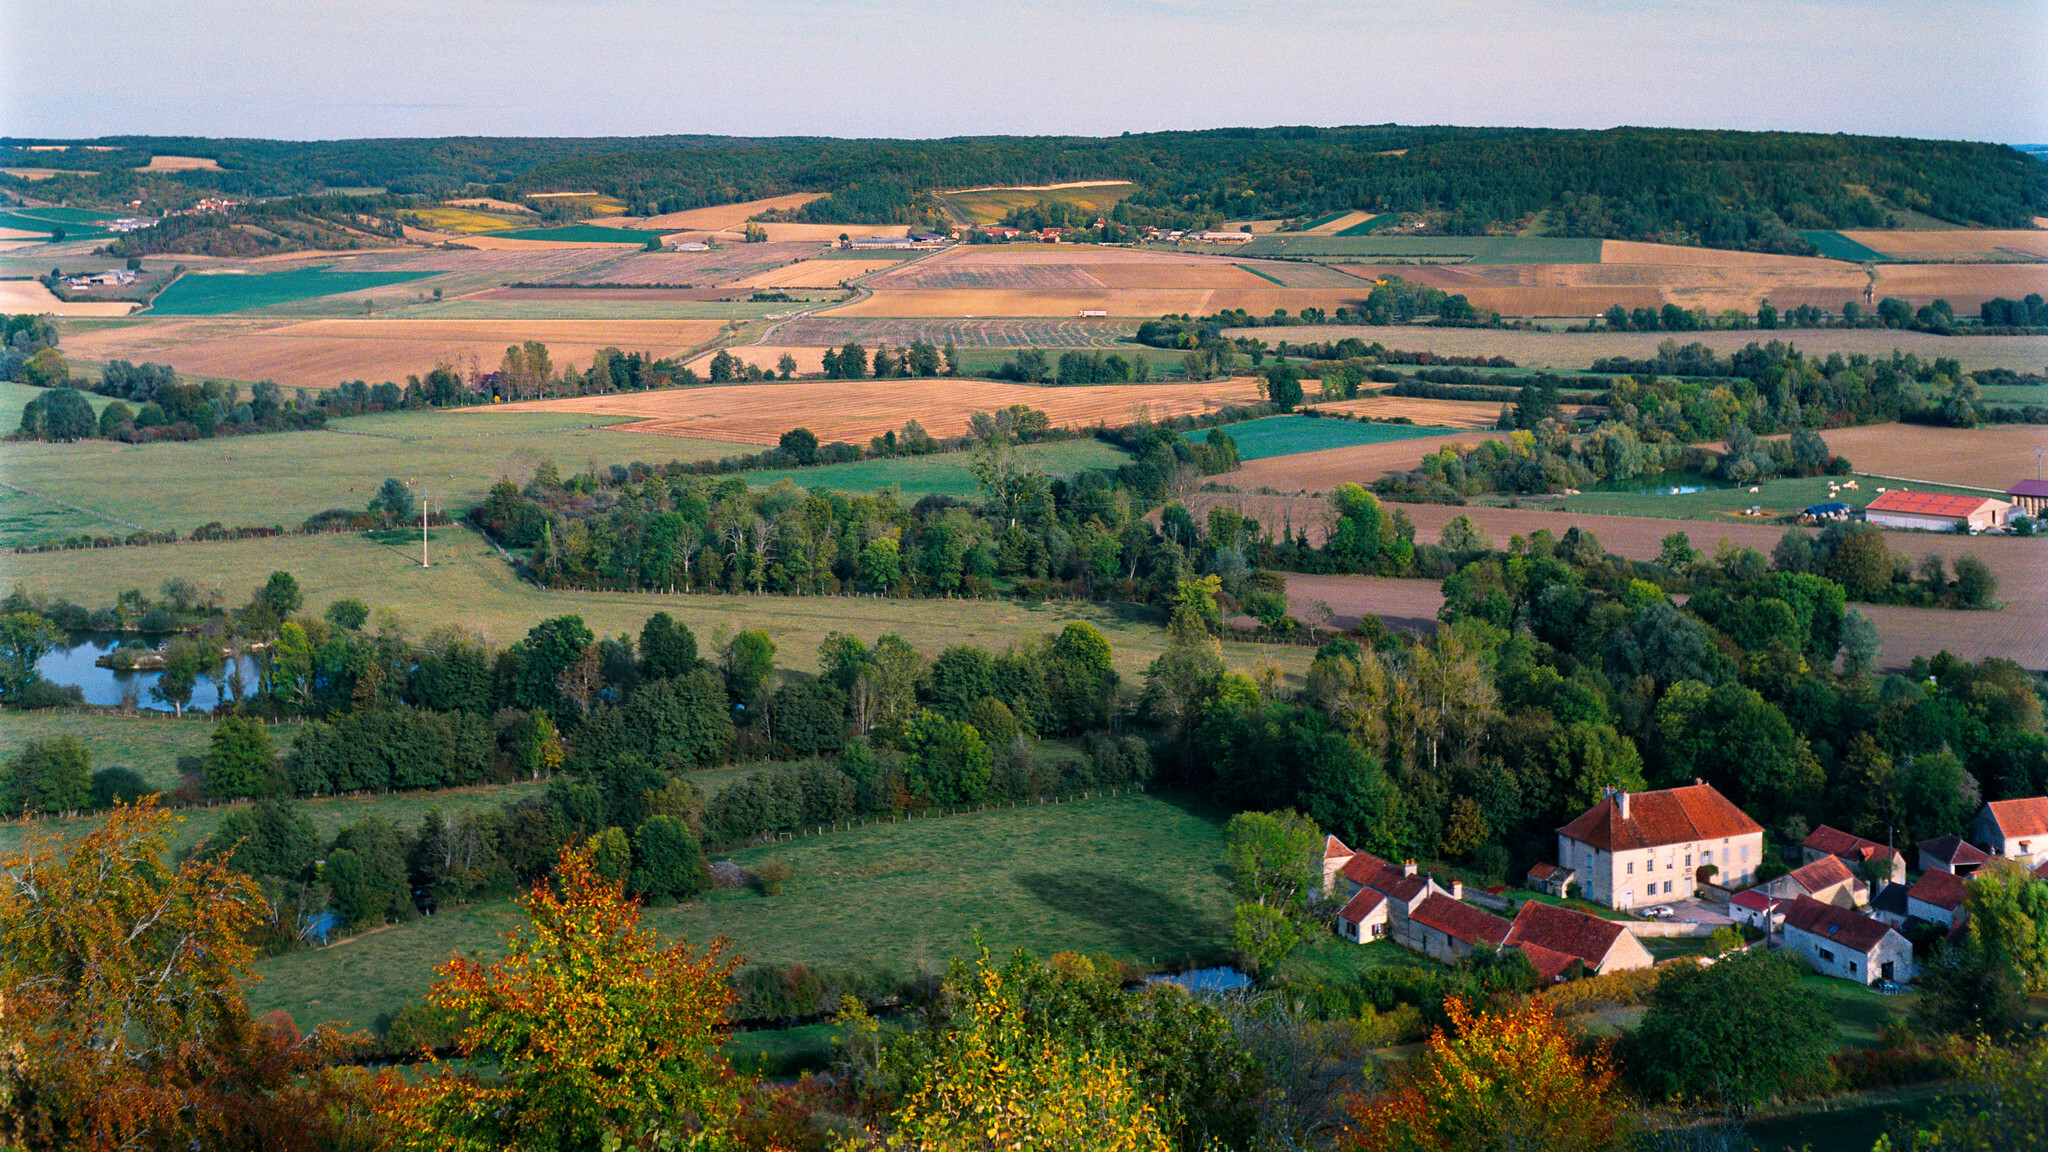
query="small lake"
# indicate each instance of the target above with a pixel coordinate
(74, 665)
(1210, 980)
(1672, 483)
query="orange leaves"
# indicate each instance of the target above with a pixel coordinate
(121, 1007)
(1490, 1077)
(597, 1033)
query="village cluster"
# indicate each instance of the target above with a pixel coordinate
(1687, 858)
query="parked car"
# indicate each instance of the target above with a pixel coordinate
(1659, 912)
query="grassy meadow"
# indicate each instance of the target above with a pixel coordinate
(471, 585)
(1136, 876)
(151, 744)
(1287, 435)
(282, 478)
(217, 293)
(1776, 498)
(946, 474)
(15, 397)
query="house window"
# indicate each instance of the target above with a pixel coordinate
(1631, 868)
(1824, 954)
(1688, 859)
(1745, 853)
(1707, 857)
(1667, 887)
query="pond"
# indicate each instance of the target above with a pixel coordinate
(1671, 483)
(74, 665)
(1213, 980)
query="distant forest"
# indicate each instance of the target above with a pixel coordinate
(1743, 190)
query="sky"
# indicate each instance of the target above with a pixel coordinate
(327, 69)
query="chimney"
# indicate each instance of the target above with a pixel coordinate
(1407, 867)
(1696, 781)
(1457, 889)
(1621, 802)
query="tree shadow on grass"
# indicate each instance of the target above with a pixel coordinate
(1144, 921)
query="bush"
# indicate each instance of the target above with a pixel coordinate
(770, 877)
(117, 785)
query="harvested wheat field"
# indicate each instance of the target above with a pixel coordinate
(858, 410)
(726, 217)
(493, 205)
(1965, 286)
(1991, 457)
(1573, 351)
(1428, 413)
(813, 274)
(181, 164)
(767, 356)
(1987, 244)
(323, 353)
(1019, 266)
(31, 296)
(514, 263)
(696, 269)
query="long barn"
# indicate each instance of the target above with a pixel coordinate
(1936, 512)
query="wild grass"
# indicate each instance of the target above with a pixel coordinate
(152, 745)
(946, 474)
(1287, 435)
(1136, 876)
(471, 585)
(282, 478)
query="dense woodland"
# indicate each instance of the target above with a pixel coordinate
(1713, 188)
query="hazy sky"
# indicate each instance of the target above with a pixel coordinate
(315, 69)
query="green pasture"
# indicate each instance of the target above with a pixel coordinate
(1347, 248)
(472, 585)
(1846, 1125)
(28, 519)
(582, 234)
(48, 220)
(152, 745)
(69, 215)
(1836, 246)
(15, 397)
(944, 474)
(2014, 394)
(1139, 877)
(214, 294)
(282, 478)
(1287, 435)
(1330, 959)
(1776, 498)
(1262, 275)
(1364, 227)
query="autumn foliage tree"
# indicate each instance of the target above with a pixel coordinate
(600, 1039)
(1514, 1080)
(122, 1019)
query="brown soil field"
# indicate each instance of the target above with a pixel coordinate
(181, 164)
(31, 296)
(1956, 245)
(725, 217)
(765, 356)
(487, 202)
(1963, 285)
(702, 269)
(1430, 413)
(20, 234)
(323, 353)
(601, 295)
(812, 274)
(1990, 457)
(1068, 332)
(1407, 605)
(1146, 302)
(855, 411)
(1681, 256)
(1575, 350)
(507, 244)
(514, 264)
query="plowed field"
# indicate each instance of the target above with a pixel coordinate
(724, 217)
(1432, 413)
(855, 411)
(1957, 245)
(1989, 457)
(813, 274)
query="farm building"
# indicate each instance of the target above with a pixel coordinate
(1852, 850)
(2017, 829)
(1757, 909)
(1951, 854)
(1847, 945)
(1225, 237)
(1937, 897)
(1551, 879)
(2030, 496)
(1934, 512)
(1603, 946)
(1827, 880)
(1655, 846)
(1446, 929)
(881, 242)
(1087, 313)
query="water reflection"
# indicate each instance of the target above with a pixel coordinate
(74, 665)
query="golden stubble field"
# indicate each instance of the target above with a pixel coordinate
(1470, 414)
(857, 410)
(323, 353)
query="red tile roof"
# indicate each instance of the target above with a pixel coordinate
(2024, 817)
(1565, 930)
(1953, 850)
(1825, 872)
(1334, 848)
(1368, 870)
(1944, 890)
(1550, 966)
(1361, 906)
(1672, 816)
(1755, 900)
(1851, 930)
(2041, 869)
(2028, 488)
(1458, 920)
(1545, 871)
(1836, 842)
(1925, 503)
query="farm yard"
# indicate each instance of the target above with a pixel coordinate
(857, 410)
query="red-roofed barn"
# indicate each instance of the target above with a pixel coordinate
(1935, 512)
(2015, 829)
(1602, 945)
(1846, 944)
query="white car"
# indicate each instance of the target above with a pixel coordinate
(1659, 912)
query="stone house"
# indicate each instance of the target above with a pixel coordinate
(1855, 851)
(1631, 850)
(2015, 829)
(1846, 944)
(1827, 880)
(1603, 946)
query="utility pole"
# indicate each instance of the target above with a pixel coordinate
(424, 563)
